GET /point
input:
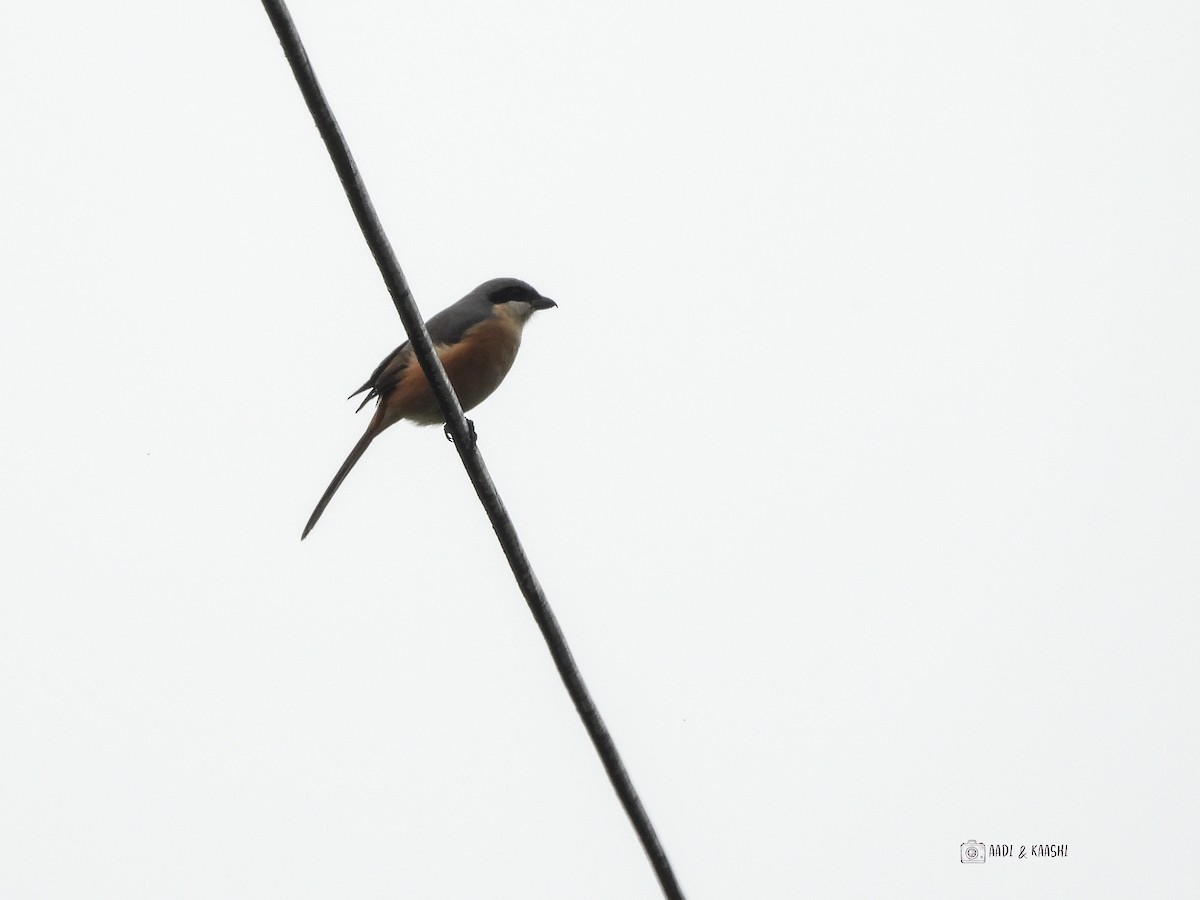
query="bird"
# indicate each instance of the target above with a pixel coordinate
(476, 339)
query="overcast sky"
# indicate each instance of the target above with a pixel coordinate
(859, 460)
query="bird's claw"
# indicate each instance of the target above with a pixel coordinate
(470, 431)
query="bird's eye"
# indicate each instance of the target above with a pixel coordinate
(508, 294)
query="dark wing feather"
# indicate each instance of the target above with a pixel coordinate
(373, 384)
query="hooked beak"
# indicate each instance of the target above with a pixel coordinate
(542, 303)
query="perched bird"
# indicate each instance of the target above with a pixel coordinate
(476, 339)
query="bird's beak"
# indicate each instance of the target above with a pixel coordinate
(542, 303)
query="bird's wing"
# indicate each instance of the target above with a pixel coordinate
(445, 329)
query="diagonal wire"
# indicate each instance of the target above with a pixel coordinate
(464, 441)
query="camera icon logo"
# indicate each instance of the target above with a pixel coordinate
(972, 852)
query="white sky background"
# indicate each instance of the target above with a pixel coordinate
(859, 461)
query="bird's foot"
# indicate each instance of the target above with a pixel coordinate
(470, 431)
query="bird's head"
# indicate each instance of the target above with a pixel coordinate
(519, 299)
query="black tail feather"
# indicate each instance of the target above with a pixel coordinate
(359, 449)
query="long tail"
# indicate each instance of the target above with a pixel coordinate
(359, 449)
